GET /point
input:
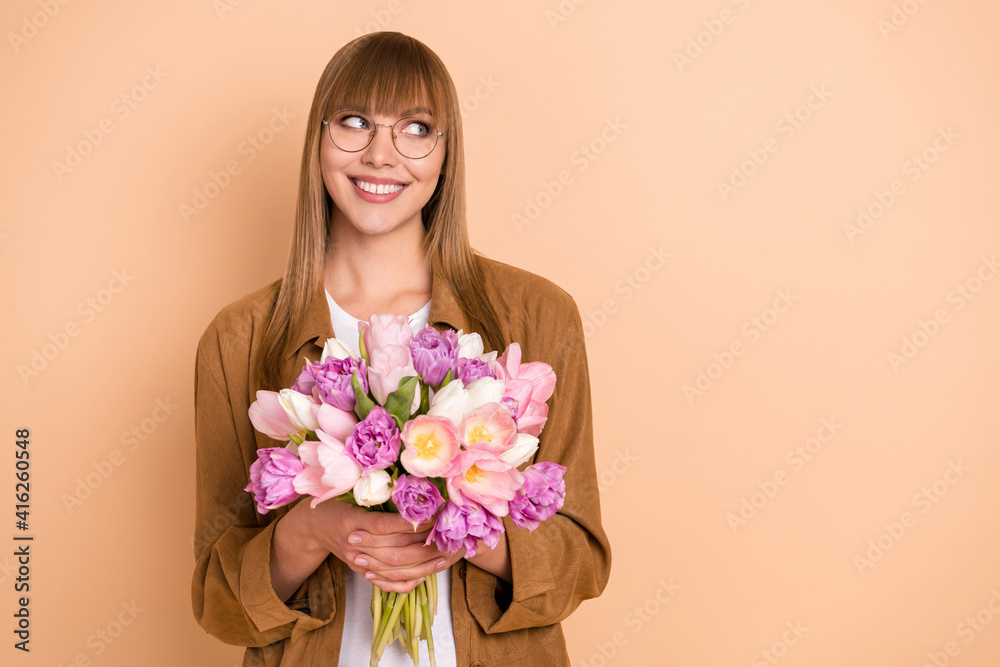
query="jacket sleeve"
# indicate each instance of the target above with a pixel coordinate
(567, 559)
(231, 590)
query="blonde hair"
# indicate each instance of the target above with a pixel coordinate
(388, 72)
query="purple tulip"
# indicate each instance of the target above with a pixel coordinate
(468, 370)
(330, 381)
(433, 354)
(460, 526)
(375, 441)
(271, 477)
(416, 498)
(540, 497)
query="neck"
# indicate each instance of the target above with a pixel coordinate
(376, 267)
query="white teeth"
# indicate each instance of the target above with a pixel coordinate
(379, 189)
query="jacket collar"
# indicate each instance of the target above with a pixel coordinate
(316, 326)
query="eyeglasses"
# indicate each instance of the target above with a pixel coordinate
(352, 131)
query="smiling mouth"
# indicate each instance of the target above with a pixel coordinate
(379, 189)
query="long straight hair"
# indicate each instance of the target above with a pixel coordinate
(384, 72)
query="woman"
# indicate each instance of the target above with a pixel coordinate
(380, 228)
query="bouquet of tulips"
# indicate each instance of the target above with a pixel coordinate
(426, 425)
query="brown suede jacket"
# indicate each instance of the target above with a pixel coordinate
(565, 561)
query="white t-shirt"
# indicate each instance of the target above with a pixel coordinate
(356, 646)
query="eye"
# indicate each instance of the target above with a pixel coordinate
(353, 122)
(414, 127)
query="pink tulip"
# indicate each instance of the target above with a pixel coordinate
(490, 426)
(328, 470)
(335, 422)
(482, 477)
(431, 446)
(527, 387)
(388, 366)
(271, 478)
(268, 417)
(382, 331)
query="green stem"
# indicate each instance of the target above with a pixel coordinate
(391, 619)
(428, 617)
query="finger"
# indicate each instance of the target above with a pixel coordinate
(397, 557)
(378, 570)
(396, 586)
(364, 540)
(385, 523)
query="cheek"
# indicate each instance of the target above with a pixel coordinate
(330, 163)
(432, 171)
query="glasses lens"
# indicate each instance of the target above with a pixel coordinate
(351, 130)
(415, 137)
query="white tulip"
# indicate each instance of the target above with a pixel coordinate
(373, 489)
(523, 449)
(470, 346)
(299, 409)
(482, 391)
(337, 349)
(449, 402)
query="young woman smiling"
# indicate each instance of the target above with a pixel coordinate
(381, 228)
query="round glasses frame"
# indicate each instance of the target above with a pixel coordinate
(392, 131)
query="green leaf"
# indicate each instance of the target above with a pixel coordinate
(363, 405)
(398, 402)
(425, 398)
(447, 378)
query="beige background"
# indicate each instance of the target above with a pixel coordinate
(823, 439)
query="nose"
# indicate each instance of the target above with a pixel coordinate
(380, 149)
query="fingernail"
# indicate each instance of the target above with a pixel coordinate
(369, 575)
(362, 561)
(440, 564)
(354, 539)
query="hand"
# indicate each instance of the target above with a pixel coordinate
(380, 546)
(393, 557)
